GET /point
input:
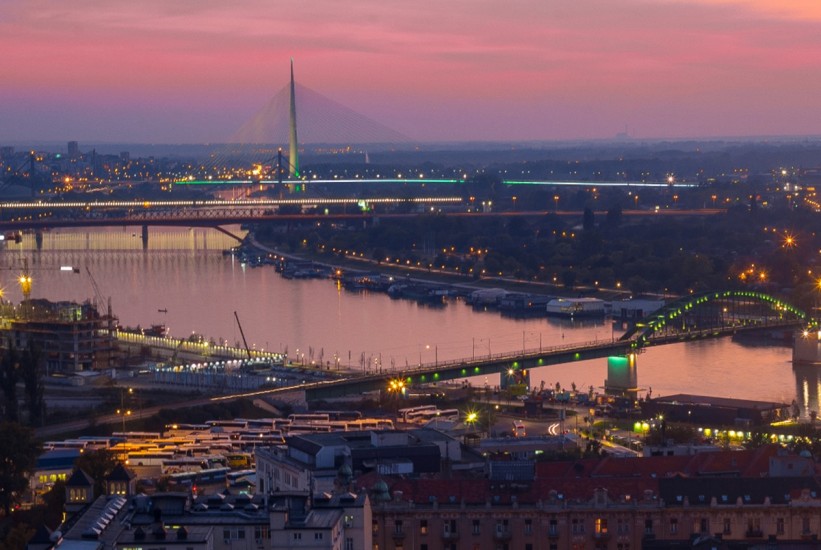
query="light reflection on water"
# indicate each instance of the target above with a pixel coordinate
(184, 272)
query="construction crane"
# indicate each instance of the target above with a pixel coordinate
(98, 296)
(244, 341)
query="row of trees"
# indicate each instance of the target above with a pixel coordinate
(22, 366)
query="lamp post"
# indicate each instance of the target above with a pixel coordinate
(122, 411)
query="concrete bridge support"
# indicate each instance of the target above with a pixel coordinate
(145, 237)
(807, 348)
(622, 376)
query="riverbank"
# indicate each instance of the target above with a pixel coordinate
(431, 275)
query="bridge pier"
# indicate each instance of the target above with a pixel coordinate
(145, 237)
(622, 376)
(807, 348)
(38, 239)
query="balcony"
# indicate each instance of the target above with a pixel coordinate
(601, 535)
(450, 536)
(553, 533)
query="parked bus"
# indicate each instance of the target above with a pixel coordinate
(149, 458)
(173, 430)
(239, 461)
(227, 425)
(137, 436)
(66, 444)
(234, 478)
(212, 475)
(403, 413)
(342, 415)
(434, 414)
(309, 417)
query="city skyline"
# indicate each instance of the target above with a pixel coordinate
(195, 72)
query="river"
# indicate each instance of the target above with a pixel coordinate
(185, 282)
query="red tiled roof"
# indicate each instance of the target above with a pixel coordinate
(578, 480)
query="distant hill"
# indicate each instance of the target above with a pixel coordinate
(319, 120)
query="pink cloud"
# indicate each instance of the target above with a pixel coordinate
(452, 70)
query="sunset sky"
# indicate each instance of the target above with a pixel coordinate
(192, 71)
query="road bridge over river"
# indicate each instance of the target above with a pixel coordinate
(705, 315)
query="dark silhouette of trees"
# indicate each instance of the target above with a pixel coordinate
(18, 453)
(31, 374)
(9, 365)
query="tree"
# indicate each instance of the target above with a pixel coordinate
(569, 278)
(8, 383)
(33, 381)
(588, 220)
(18, 453)
(613, 217)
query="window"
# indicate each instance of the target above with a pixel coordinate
(553, 527)
(226, 534)
(317, 536)
(704, 525)
(577, 526)
(601, 526)
(348, 543)
(623, 546)
(397, 527)
(375, 527)
(297, 536)
(241, 534)
(648, 526)
(423, 527)
(779, 526)
(476, 530)
(450, 526)
(805, 525)
(528, 546)
(622, 527)
(673, 526)
(727, 526)
(423, 547)
(528, 526)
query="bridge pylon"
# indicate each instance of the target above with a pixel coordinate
(622, 376)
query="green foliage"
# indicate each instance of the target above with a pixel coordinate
(9, 375)
(18, 454)
(16, 536)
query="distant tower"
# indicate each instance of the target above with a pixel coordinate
(73, 149)
(293, 151)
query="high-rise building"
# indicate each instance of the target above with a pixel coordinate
(73, 149)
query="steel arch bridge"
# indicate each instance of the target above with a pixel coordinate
(710, 313)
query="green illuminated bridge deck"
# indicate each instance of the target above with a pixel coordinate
(704, 315)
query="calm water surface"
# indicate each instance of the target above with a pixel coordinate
(185, 273)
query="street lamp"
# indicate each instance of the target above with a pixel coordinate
(471, 418)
